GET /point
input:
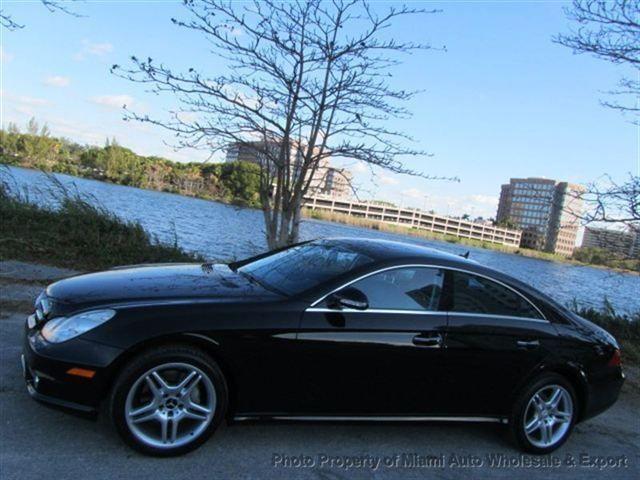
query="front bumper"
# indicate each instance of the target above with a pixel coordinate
(46, 368)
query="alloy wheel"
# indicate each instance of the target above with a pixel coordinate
(170, 405)
(548, 416)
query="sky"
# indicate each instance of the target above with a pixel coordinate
(502, 101)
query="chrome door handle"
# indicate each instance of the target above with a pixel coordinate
(434, 341)
(528, 344)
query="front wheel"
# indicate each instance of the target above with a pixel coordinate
(169, 401)
(544, 414)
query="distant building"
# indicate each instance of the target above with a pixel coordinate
(625, 244)
(386, 212)
(546, 211)
(337, 183)
(325, 180)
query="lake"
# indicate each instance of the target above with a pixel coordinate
(220, 231)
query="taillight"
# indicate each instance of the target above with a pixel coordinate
(615, 360)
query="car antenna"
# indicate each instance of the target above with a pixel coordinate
(465, 255)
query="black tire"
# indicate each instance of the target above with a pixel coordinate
(144, 362)
(517, 419)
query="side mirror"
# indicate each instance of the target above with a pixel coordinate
(348, 298)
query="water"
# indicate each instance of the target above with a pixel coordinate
(220, 231)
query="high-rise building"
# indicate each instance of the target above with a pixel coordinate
(325, 180)
(259, 152)
(625, 244)
(337, 183)
(547, 212)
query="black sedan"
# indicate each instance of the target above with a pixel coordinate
(340, 329)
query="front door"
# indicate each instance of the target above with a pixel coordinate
(386, 359)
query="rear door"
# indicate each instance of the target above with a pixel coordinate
(495, 337)
(384, 360)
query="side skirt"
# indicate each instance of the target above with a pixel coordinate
(335, 418)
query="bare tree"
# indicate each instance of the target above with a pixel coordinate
(7, 21)
(306, 80)
(614, 203)
(610, 30)
(610, 209)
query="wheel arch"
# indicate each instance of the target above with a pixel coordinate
(208, 345)
(572, 372)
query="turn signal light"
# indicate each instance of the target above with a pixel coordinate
(615, 360)
(81, 372)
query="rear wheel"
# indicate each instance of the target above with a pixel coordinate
(169, 401)
(544, 414)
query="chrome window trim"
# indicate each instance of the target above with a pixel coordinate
(507, 317)
(441, 267)
(422, 312)
(377, 310)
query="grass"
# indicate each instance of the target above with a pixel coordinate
(76, 234)
(626, 328)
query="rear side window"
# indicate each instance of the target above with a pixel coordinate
(473, 294)
(410, 288)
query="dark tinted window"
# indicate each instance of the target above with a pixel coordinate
(473, 294)
(403, 289)
(299, 268)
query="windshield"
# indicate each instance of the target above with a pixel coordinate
(301, 267)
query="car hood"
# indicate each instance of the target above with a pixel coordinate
(157, 282)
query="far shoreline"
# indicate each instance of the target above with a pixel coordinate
(341, 219)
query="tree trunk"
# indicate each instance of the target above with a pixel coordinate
(294, 234)
(270, 225)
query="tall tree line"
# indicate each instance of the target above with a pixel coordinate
(236, 182)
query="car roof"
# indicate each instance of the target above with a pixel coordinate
(387, 250)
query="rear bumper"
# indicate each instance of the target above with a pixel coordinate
(46, 366)
(603, 392)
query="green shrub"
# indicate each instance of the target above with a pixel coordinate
(77, 234)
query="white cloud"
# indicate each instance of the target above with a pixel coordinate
(98, 48)
(24, 100)
(113, 101)
(474, 204)
(25, 107)
(388, 180)
(25, 110)
(359, 167)
(91, 48)
(57, 81)
(76, 133)
(486, 200)
(187, 117)
(33, 101)
(414, 193)
(4, 56)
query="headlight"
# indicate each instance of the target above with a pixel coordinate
(64, 328)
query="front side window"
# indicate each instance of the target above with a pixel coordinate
(473, 294)
(410, 288)
(304, 266)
